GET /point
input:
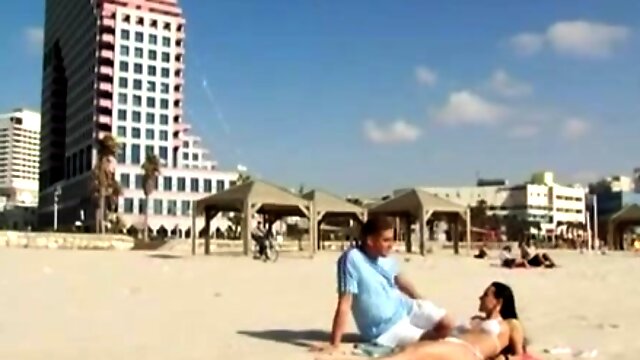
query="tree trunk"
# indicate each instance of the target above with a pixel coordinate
(101, 212)
(145, 233)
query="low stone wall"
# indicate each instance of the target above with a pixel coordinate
(71, 241)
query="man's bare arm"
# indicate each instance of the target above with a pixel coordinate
(340, 318)
(407, 287)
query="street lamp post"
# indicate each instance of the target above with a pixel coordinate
(56, 197)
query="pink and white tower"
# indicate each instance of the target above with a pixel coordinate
(112, 66)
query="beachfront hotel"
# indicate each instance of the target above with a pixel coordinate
(117, 67)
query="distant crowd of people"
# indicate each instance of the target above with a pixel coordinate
(529, 257)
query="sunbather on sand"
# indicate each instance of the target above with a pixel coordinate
(489, 336)
(534, 258)
(509, 261)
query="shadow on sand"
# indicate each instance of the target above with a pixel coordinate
(301, 338)
(165, 256)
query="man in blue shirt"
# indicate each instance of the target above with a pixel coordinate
(386, 307)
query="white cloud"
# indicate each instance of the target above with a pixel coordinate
(34, 38)
(503, 84)
(527, 43)
(426, 76)
(523, 131)
(398, 131)
(575, 128)
(578, 38)
(584, 38)
(466, 107)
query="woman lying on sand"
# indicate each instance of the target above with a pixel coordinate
(495, 335)
(486, 337)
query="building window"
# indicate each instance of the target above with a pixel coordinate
(135, 133)
(137, 100)
(139, 37)
(128, 205)
(123, 83)
(219, 185)
(164, 153)
(137, 69)
(122, 115)
(142, 206)
(208, 185)
(122, 131)
(164, 88)
(135, 154)
(153, 39)
(149, 134)
(138, 53)
(124, 66)
(185, 156)
(164, 104)
(165, 73)
(153, 55)
(186, 207)
(195, 185)
(122, 154)
(137, 84)
(125, 180)
(151, 86)
(139, 183)
(167, 182)
(185, 144)
(164, 119)
(124, 50)
(151, 70)
(172, 207)
(124, 34)
(136, 117)
(151, 102)
(122, 99)
(166, 41)
(150, 118)
(182, 184)
(166, 57)
(195, 157)
(157, 206)
(164, 135)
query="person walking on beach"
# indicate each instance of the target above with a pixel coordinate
(386, 307)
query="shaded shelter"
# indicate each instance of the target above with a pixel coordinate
(618, 223)
(418, 205)
(327, 206)
(252, 197)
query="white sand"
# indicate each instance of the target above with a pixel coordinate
(109, 305)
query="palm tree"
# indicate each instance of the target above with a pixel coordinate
(103, 175)
(150, 172)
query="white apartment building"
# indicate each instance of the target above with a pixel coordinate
(541, 200)
(19, 157)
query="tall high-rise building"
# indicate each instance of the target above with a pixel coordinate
(117, 67)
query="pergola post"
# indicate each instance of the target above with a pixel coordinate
(468, 220)
(318, 215)
(194, 214)
(456, 236)
(245, 229)
(423, 219)
(407, 233)
(208, 216)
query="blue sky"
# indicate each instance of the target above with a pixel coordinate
(364, 96)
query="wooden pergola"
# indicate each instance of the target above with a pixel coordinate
(252, 197)
(617, 223)
(327, 205)
(418, 205)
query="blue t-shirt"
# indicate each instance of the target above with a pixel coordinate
(377, 304)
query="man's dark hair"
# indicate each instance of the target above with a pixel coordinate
(375, 225)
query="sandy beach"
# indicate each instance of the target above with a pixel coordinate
(132, 305)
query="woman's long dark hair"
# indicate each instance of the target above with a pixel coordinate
(503, 292)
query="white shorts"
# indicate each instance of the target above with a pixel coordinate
(423, 317)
